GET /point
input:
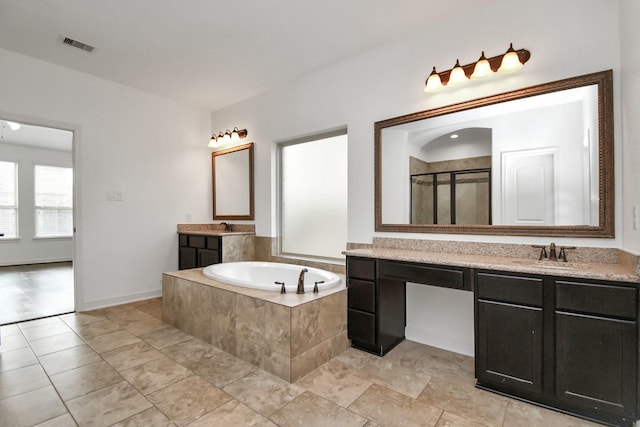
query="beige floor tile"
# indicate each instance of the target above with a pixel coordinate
(141, 327)
(311, 410)
(74, 319)
(263, 392)
(388, 407)
(31, 408)
(107, 406)
(131, 355)
(22, 380)
(191, 351)
(129, 316)
(355, 358)
(233, 413)
(76, 382)
(221, 369)
(18, 358)
(189, 399)
(13, 342)
(56, 343)
(389, 373)
(152, 417)
(39, 322)
(154, 375)
(111, 341)
(466, 401)
(94, 329)
(165, 337)
(8, 330)
(451, 420)
(72, 358)
(335, 382)
(521, 414)
(65, 420)
(46, 330)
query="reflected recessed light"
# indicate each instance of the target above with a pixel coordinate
(453, 136)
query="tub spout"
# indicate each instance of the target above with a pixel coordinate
(301, 282)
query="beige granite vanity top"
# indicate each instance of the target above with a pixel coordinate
(217, 229)
(622, 272)
(290, 299)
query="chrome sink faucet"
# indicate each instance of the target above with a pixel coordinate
(300, 289)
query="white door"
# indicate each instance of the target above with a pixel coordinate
(528, 187)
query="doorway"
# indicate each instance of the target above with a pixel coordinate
(36, 221)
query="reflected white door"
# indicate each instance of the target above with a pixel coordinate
(528, 187)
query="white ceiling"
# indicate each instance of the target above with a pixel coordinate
(211, 53)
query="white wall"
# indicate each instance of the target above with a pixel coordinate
(26, 249)
(566, 39)
(630, 32)
(152, 150)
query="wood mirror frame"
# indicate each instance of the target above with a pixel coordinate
(605, 227)
(232, 183)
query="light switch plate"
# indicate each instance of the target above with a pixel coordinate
(114, 196)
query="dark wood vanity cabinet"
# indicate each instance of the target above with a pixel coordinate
(566, 343)
(376, 307)
(198, 250)
(509, 331)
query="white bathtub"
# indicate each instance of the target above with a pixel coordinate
(263, 275)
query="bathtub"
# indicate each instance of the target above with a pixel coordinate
(262, 275)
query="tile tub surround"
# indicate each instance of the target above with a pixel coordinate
(584, 262)
(286, 335)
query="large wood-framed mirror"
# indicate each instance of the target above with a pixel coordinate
(232, 175)
(536, 161)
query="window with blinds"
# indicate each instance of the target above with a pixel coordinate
(8, 200)
(53, 201)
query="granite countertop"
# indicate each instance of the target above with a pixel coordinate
(583, 270)
(217, 229)
(217, 233)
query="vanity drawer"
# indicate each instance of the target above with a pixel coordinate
(213, 243)
(362, 295)
(362, 268)
(183, 240)
(598, 299)
(448, 277)
(362, 326)
(507, 288)
(198, 242)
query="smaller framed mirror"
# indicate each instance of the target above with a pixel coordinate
(232, 175)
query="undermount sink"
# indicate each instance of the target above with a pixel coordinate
(554, 265)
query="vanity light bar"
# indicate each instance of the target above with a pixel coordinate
(228, 135)
(510, 61)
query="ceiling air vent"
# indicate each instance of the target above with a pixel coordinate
(79, 45)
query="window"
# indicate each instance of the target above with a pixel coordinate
(8, 200)
(313, 196)
(54, 201)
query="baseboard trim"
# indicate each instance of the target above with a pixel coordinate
(108, 302)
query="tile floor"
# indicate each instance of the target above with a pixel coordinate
(122, 366)
(35, 290)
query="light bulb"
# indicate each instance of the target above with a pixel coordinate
(457, 75)
(433, 82)
(510, 61)
(482, 68)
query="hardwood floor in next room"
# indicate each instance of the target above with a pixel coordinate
(35, 290)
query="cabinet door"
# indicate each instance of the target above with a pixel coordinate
(509, 346)
(596, 363)
(187, 258)
(207, 257)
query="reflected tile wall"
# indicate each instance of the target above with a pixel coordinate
(286, 341)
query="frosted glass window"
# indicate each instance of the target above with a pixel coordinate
(54, 201)
(313, 197)
(8, 200)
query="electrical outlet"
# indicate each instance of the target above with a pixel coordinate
(189, 217)
(114, 196)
